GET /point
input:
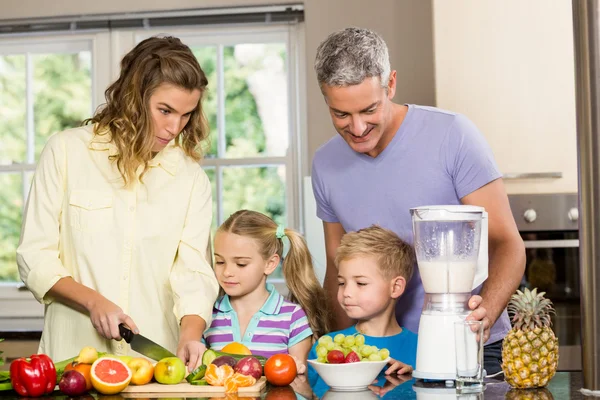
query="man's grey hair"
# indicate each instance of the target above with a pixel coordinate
(349, 56)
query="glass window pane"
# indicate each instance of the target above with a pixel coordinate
(255, 188)
(63, 93)
(207, 57)
(11, 206)
(13, 129)
(256, 102)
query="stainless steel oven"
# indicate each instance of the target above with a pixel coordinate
(548, 224)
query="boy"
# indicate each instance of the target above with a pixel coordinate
(374, 265)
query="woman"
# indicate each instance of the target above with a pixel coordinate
(118, 217)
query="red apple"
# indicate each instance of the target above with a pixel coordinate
(249, 366)
(142, 370)
(335, 357)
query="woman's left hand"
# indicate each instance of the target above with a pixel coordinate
(191, 351)
(479, 313)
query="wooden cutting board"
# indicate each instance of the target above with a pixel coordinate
(184, 389)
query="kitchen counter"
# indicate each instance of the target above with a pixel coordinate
(565, 385)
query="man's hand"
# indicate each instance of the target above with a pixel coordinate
(480, 314)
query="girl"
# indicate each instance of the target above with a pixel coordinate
(248, 248)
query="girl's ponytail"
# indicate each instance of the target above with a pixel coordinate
(303, 284)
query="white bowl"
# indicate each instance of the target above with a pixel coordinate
(351, 376)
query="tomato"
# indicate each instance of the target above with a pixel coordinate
(280, 369)
(281, 393)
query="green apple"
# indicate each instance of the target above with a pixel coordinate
(125, 359)
(169, 371)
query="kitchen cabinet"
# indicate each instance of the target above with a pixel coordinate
(17, 348)
(509, 67)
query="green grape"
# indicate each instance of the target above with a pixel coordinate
(366, 350)
(325, 339)
(355, 349)
(346, 351)
(349, 341)
(384, 353)
(329, 346)
(339, 338)
(321, 351)
(363, 359)
(375, 357)
(322, 359)
(359, 340)
(338, 347)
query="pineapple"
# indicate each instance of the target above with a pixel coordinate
(530, 350)
(529, 394)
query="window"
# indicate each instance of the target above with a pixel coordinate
(53, 82)
(252, 159)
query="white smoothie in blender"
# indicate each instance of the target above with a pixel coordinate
(447, 276)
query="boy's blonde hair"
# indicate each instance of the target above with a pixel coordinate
(300, 278)
(394, 256)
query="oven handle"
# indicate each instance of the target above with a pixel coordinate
(548, 244)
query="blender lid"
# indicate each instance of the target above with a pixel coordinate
(449, 212)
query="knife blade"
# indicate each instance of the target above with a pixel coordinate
(143, 345)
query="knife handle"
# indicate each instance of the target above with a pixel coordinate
(125, 333)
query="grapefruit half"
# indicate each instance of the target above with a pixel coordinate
(110, 375)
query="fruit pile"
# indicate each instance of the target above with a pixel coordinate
(348, 349)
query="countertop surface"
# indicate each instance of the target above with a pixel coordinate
(565, 385)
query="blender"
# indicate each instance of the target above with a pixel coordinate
(451, 249)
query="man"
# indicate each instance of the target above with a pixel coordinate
(390, 157)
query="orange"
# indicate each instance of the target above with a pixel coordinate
(110, 375)
(216, 376)
(238, 380)
(236, 348)
(83, 369)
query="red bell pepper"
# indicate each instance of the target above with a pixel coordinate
(33, 377)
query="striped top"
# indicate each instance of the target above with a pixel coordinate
(276, 327)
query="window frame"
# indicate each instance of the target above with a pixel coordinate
(15, 300)
(18, 309)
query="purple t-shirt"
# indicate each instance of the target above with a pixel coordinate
(435, 158)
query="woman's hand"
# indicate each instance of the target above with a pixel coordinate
(398, 367)
(479, 314)
(106, 317)
(191, 351)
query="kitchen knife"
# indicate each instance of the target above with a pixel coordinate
(143, 345)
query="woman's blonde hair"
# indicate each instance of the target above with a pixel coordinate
(126, 116)
(394, 256)
(304, 288)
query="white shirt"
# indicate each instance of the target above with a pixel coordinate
(143, 248)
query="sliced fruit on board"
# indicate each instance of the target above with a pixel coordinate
(216, 376)
(238, 380)
(110, 375)
(196, 374)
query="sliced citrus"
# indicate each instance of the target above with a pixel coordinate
(238, 380)
(110, 375)
(216, 376)
(236, 348)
